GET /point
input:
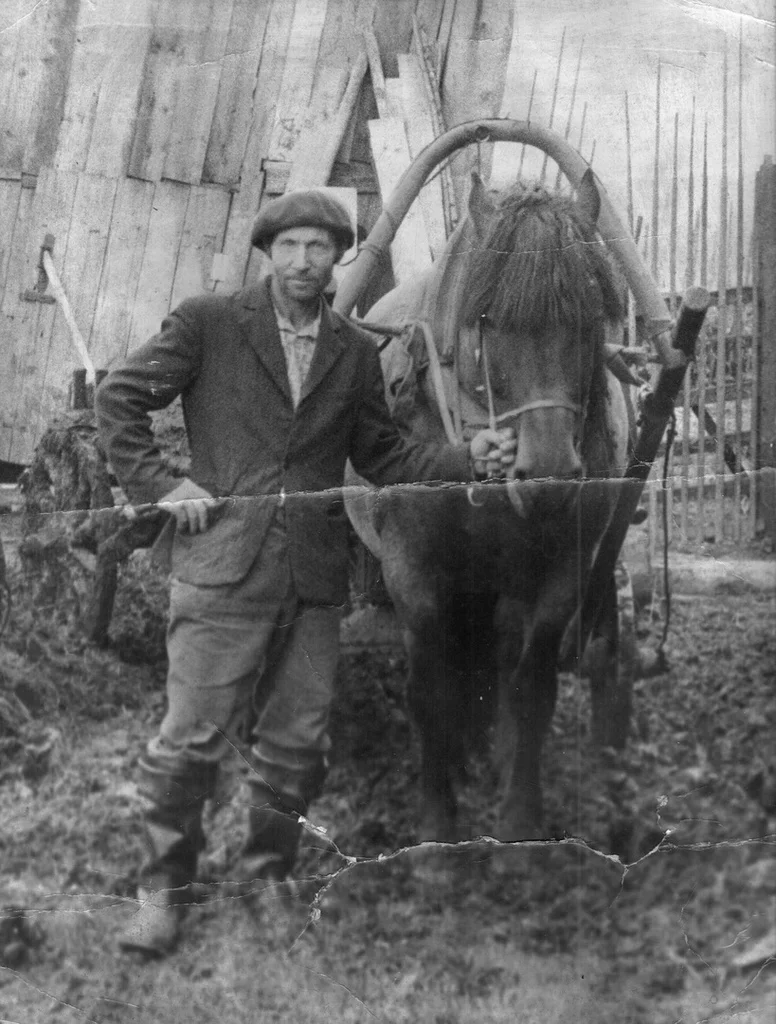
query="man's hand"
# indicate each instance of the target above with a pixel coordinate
(190, 504)
(493, 451)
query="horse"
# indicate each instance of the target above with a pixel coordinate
(486, 579)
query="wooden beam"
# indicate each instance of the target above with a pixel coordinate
(234, 107)
(157, 266)
(320, 142)
(120, 84)
(298, 77)
(180, 89)
(203, 236)
(410, 251)
(121, 271)
(237, 240)
(35, 83)
(197, 81)
(419, 125)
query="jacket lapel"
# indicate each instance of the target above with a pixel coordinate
(327, 351)
(257, 321)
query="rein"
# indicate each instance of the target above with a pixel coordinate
(513, 414)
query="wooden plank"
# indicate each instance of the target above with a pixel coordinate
(393, 30)
(34, 83)
(237, 241)
(52, 208)
(121, 271)
(18, 229)
(203, 237)
(54, 52)
(384, 107)
(79, 266)
(298, 77)
(99, 34)
(196, 90)
(429, 15)
(11, 28)
(119, 89)
(165, 125)
(320, 141)
(268, 85)
(472, 84)
(341, 41)
(157, 269)
(419, 125)
(10, 194)
(349, 199)
(410, 251)
(234, 104)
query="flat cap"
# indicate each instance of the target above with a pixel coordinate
(302, 208)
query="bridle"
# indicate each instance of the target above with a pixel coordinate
(513, 414)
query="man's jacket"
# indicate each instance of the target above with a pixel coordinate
(223, 355)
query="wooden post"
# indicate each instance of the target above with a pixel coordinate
(722, 321)
(765, 274)
(689, 274)
(702, 363)
(738, 321)
(554, 100)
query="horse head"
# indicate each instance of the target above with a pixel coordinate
(537, 293)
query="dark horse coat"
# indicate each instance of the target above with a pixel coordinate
(487, 579)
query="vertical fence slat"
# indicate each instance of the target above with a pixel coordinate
(702, 363)
(656, 182)
(754, 437)
(719, 461)
(554, 99)
(739, 312)
(669, 493)
(689, 274)
(572, 104)
(528, 118)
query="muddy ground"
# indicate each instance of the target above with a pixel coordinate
(654, 903)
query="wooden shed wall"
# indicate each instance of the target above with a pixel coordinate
(144, 135)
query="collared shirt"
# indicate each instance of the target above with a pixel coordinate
(298, 348)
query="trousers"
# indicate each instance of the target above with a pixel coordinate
(243, 651)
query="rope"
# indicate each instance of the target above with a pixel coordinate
(670, 438)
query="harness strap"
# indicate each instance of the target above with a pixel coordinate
(438, 382)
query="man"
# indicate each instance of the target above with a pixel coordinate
(277, 391)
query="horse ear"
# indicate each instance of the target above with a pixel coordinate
(588, 198)
(480, 205)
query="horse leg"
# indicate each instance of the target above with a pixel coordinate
(433, 708)
(528, 696)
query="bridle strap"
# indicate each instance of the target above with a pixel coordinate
(540, 403)
(513, 414)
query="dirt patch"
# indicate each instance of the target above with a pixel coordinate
(376, 928)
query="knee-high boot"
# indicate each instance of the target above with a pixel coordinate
(174, 838)
(280, 793)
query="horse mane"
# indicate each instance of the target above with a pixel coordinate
(538, 268)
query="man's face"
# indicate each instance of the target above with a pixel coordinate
(303, 259)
